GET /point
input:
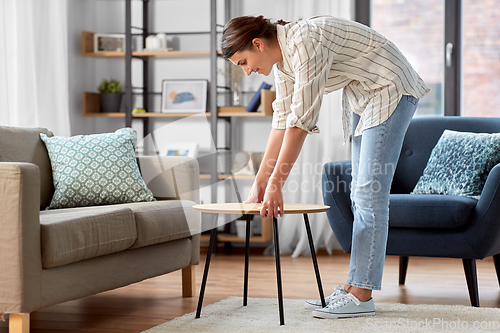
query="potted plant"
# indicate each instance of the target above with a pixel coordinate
(110, 95)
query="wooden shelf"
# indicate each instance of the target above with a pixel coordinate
(160, 115)
(265, 236)
(238, 111)
(234, 238)
(170, 54)
(267, 97)
(163, 54)
(205, 238)
(88, 51)
(92, 107)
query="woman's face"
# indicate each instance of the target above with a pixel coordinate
(258, 59)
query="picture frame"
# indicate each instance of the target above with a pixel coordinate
(189, 149)
(184, 96)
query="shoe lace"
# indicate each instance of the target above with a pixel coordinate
(336, 295)
(343, 301)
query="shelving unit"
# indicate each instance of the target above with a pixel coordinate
(91, 108)
(88, 51)
(91, 102)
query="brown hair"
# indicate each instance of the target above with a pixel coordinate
(239, 33)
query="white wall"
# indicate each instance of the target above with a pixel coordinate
(81, 70)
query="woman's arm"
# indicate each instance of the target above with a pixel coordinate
(292, 142)
(271, 154)
(266, 168)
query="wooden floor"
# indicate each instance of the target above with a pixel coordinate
(149, 303)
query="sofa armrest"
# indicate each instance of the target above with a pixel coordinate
(171, 177)
(20, 259)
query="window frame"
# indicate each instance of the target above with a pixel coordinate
(452, 35)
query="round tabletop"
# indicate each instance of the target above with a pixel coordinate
(254, 208)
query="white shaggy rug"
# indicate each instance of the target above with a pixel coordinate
(262, 315)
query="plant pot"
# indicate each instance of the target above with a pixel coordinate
(110, 102)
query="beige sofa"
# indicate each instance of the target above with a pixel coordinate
(52, 256)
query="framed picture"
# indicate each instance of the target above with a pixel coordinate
(184, 96)
(189, 149)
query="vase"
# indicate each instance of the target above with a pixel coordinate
(110, 102)
(236, 94)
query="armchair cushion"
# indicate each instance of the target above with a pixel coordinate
(430, 211)
(459, 164)
(97, 169)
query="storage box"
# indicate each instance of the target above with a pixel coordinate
(109, 43)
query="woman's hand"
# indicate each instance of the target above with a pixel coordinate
(272, 204)
(282, 150)
(257, 192)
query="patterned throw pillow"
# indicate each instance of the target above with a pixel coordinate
(97, 169)
(459, 164)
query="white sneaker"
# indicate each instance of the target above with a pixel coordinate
(345, 307)
(316, 304)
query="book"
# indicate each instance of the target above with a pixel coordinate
(255, 102)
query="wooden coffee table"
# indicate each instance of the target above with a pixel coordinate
(254, 209)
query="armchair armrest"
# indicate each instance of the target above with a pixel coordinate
(336, 194)
(171, 177)
(20, 259)
(483, 230)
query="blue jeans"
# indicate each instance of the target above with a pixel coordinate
(375, 154)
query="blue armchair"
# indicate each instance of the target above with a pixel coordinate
(427, 225)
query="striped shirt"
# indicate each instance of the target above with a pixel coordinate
(324, 54)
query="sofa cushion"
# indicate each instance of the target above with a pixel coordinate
(459, 164)
(97, 169)
(163, 221)
(73, 234)
(429, 211)
(24, 145)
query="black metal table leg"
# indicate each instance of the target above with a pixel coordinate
(315, 261)
(213, 240)
(278, 270)
(247, 253)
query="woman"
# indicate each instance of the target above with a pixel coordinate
(311, 58)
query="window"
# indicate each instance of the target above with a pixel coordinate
(453, 44)
(417, 29)
(481, 58)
